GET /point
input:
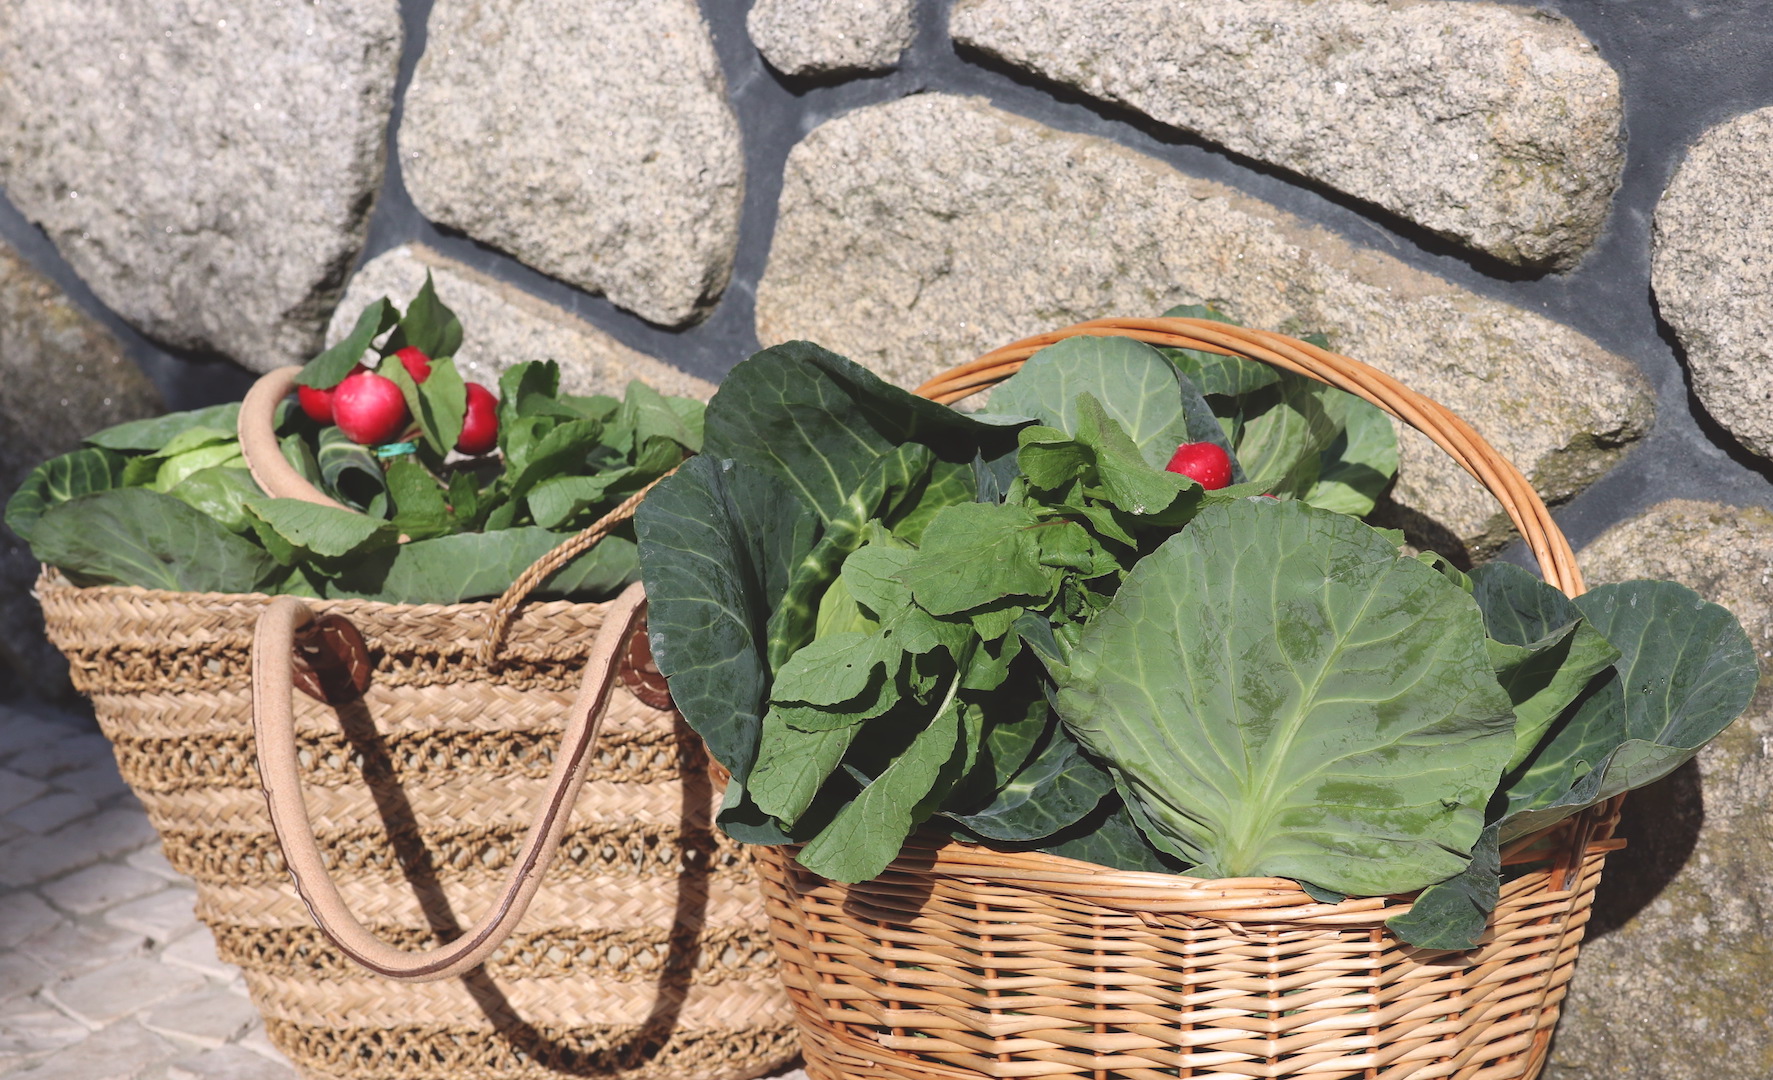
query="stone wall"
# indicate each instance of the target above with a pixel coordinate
(1557, 219)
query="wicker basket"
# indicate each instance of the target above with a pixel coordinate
(961, 961)
(645, 952)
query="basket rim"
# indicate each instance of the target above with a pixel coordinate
(1268, 900)
(1265, 899)
(1504, 482)
(51, 580)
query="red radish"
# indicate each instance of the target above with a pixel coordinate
(480, 428)
(416, 363)
(369, 409)
(1203, 462)
(317, 401)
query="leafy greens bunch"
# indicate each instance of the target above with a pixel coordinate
(882, 614)
(169, 503)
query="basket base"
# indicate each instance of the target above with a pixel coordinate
(961, 963)
(645, 954)
(605, 1051)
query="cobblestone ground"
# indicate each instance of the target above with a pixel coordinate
(104, 972)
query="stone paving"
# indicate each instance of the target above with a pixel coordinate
(105, 974)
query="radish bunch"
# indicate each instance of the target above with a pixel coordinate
(371, 409)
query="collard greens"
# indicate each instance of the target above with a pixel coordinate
(169, 503)
(810, 459)
(853, 589)
(883, 615)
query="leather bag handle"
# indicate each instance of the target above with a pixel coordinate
(273, 723)
(256, 427)
(275, 476)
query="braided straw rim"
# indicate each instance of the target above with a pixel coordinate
(1463, 444)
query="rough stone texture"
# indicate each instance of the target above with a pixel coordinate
(74, 948)
(1673, 981)
(23, 915)
(211, 1018)
(121, 1051)
(42, 815)
(161, 917)
(917, 234)
(591, 139)
(98, 887)
(36, 858)
(62, 374)
(18, 790)
(196, 952)
(62, 377)
(67, 754)
(30, 1028)
(1494, 126)
(113, 992)
(831, 37)
(97, 782)
(226, 1063)
(151, 860)
(20, 732)
(503, 326)
(1712, 269)
(207, 171)
(21, 976)
(81, 999)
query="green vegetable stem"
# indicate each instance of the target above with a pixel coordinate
(168, 503)
(1020, 627)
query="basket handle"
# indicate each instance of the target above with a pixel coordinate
(273, 724)
(1557, 562)
(256, 428)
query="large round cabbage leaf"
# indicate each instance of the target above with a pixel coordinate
(1280, 693)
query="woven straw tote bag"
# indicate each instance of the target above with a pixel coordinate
(960, 961)
(645, 951)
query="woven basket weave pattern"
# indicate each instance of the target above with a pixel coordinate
(1031, 965)
(645, 954)
(963, 962)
